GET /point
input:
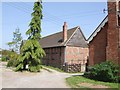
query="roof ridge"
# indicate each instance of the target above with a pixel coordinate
(54, 39)
(59, 32)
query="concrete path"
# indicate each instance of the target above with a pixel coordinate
(43, 79)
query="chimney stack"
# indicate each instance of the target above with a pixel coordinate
(112, 52)
(64, 32)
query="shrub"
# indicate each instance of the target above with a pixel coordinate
(12, 63)
(13, 60)
(5, 52)
(4, 58)
(106, 71)
(35, 68)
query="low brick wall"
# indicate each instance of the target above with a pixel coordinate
(74, 68)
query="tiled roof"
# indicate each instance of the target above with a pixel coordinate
(56, 39)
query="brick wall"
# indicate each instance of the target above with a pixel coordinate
(112, 33)
(54, 56)
(76, 56)
(97, 47)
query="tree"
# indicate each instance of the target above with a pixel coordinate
(31, 51)
(14, 45)
(10, 44)
(16, 42)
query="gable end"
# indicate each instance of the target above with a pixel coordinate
(102, 24)
(77, 39)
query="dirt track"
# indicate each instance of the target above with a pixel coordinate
(44, 79)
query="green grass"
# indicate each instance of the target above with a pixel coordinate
(60, 70)
(75, 81)
(57, 69)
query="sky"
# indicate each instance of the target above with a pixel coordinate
(87, 15)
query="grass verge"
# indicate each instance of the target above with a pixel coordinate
(57, 69)
(60, 70)
(75, 81)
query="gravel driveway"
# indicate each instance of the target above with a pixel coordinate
(43, 79)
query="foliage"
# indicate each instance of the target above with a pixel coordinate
(12, 59)
(5, 52)
(35, 24)
(31, 51)
(31, 55)
(5, 55)
(75, 81)
(106, 71)
(4, 58)
(15, 44)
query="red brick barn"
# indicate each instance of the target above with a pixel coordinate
(67, 49)
(104, 43)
